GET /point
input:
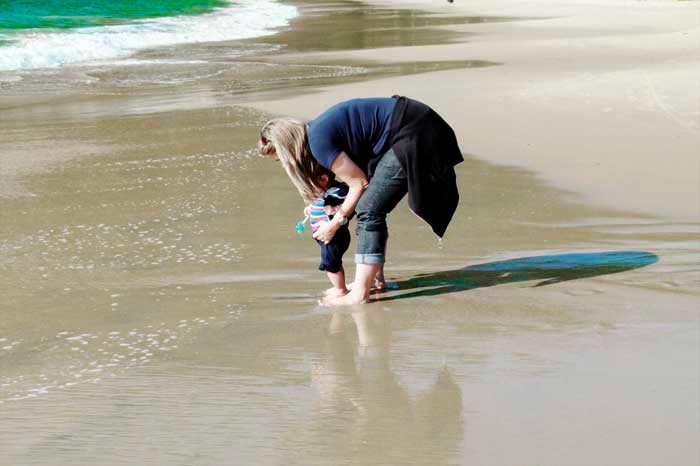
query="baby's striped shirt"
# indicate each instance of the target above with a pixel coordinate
(317, 214)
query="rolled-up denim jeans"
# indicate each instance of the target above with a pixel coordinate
(386, 188)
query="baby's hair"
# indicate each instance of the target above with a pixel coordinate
(329, 174)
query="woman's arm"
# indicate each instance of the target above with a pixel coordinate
(347, 171)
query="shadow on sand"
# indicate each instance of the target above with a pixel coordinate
(549, 269)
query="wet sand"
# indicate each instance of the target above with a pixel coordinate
(159, 308)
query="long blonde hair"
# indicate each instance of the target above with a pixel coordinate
(286, 138)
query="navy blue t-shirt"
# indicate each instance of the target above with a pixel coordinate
(358, 127)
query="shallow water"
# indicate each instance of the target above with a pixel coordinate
(158, 306)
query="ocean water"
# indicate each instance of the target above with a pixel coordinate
(49, 34)
(38, 14)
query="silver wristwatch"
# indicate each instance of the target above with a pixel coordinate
(342, 221)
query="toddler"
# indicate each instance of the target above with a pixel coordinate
(321, 210)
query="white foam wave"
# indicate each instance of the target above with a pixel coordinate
(243, 19)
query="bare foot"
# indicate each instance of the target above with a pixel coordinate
(346, 300)
(334, 292)
(379, 285)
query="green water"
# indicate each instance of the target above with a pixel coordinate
(65, 14)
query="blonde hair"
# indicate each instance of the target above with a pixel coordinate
(286, 138)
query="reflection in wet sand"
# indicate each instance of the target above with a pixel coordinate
(380, 423)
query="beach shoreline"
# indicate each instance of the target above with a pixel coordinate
(157, 295)
(589, 105)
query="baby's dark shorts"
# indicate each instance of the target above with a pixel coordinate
(332, 253)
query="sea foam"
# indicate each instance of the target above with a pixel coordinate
(41, 49)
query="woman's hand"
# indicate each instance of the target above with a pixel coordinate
(326, 232)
